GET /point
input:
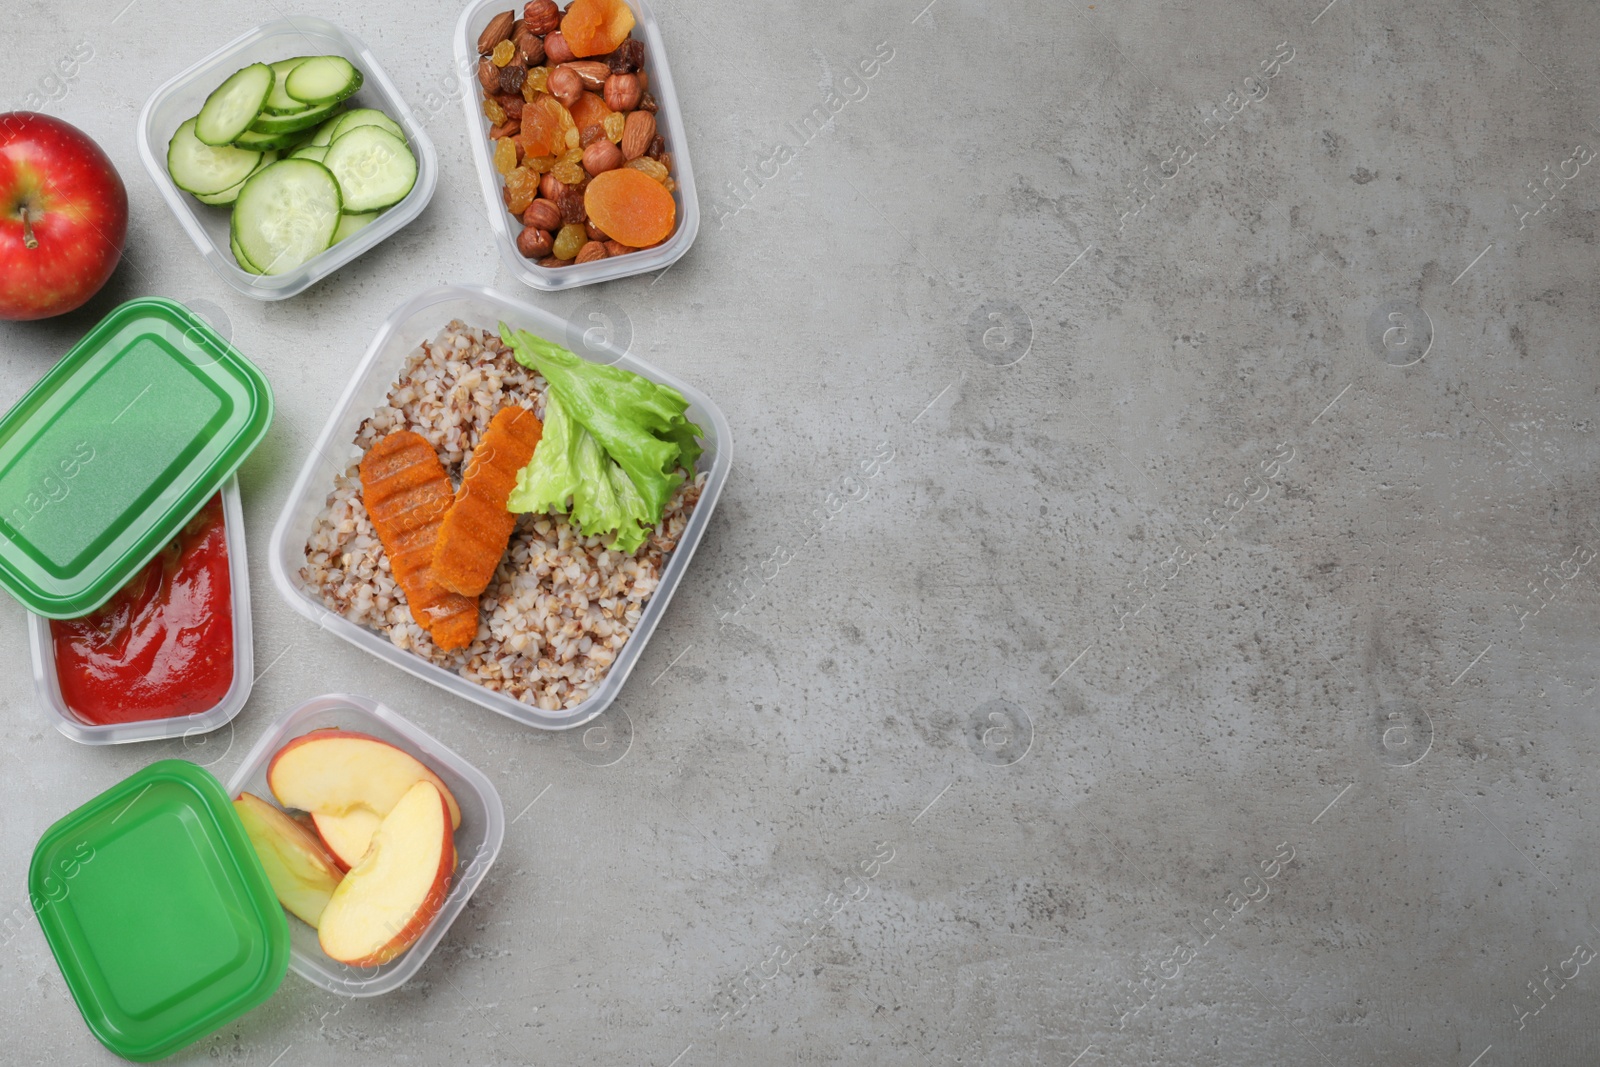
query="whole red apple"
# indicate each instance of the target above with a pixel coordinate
(63, 216)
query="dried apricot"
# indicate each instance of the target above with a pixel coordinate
(542, 133)
(630, 206)
(590, 110)
(505, 155)
(595, 27)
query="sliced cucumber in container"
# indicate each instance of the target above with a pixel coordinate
(323, 80)
(262, 142)
(324, 134)
(286, 214)
(234, 105)
(243, 260)
(366, 116)
(279, 102)
(228, 196)
(204, 170)
(350, 225)
(374, 168)
(310, 151)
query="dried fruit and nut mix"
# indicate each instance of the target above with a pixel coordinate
(573, 123)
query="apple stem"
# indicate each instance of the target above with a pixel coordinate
(28, 238)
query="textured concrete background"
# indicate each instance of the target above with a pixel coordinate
(1182, 557)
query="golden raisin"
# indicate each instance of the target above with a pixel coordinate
(505, 155)
(493, 111)
(535, 83)
(573, 155)
(502, 53)
(569, 240)
(650, 167)
(539, 164)
(568, 172)
(613, 126)
(522, 187)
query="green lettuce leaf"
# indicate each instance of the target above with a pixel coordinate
(612, 447)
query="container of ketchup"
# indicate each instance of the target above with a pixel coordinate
(169, 654)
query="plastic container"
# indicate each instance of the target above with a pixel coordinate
(115, 448)
(483, 826)
(669, 119)
(158, 912)
(180, 98)
(418, 320)
(47, 685)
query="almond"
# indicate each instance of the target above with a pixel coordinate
(593, 72)
(591, 251)
(637, 133)
(499, 29)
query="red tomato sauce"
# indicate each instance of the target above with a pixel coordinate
(163, 645)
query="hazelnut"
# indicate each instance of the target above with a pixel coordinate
(541, 16)
(601, 157)
(617, 248)
(591, 251)
(543, 214)
(533, 242)
(565, 85)
(550, 188)
(556, 48)
(622, 92)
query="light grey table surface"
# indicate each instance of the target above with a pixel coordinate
(1239, 501)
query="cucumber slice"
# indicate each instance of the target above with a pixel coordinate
(366, 116)
(310, 151)
(353, 224)
(228, 196)
(234, 105)
(374, 168)
(324, 134)
(279, 102)
(261, 142)
(243, 261)
(271, 124)
(323, 80)
(202, 169)
(286, 214)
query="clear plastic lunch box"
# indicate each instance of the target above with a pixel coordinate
(669, 118)
(483, 827)
(418, 320)
(180, 99)
(47, 686)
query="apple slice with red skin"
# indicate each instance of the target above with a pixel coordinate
(302, 873)
(388, 899)
(340, 772)
(347, 836)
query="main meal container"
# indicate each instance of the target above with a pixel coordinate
(669, 116)
(47, 685)
(180, 99)
(420, 319)
(483, 826)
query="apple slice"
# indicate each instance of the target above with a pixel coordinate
(302, 873)
(389, 898)
(335, 772)
(347, 836)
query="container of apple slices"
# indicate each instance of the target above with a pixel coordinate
(342, 849)
(286, 154)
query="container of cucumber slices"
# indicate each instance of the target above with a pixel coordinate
(286, 154)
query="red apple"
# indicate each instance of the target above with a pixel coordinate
(63, 216)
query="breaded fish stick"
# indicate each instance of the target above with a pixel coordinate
(474, 534)
(407, 494)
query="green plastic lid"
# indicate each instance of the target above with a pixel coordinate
(119, 445)
(158, 911)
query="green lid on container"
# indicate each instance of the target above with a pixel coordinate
(158, 911)
(119, 445)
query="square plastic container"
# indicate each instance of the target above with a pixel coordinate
(180, 99)
(669, 120)
(483, 826)
(418, 320)
(115, 448)
(158, 911)
(47, 685)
